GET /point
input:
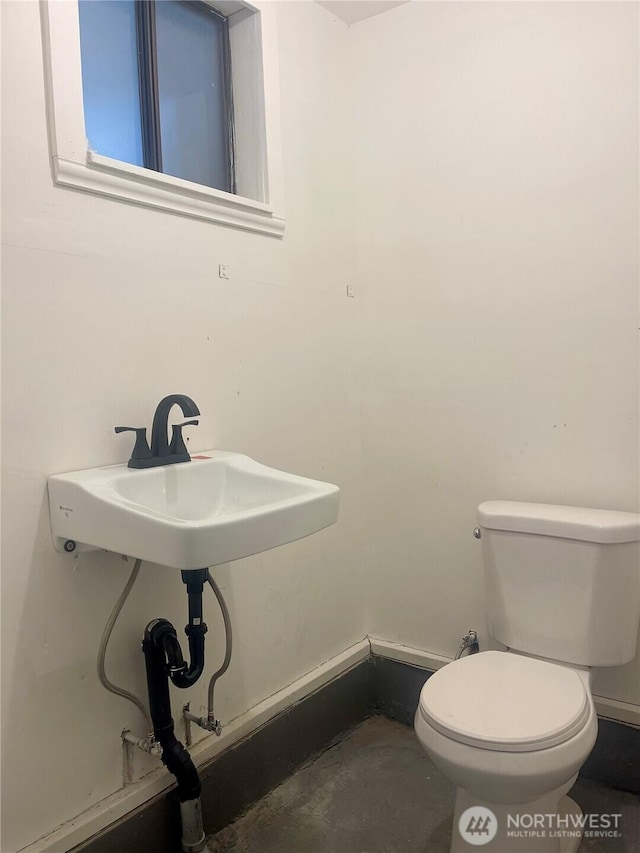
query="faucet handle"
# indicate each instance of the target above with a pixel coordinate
(141, 448)
(177, 446)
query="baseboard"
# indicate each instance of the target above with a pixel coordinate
(407, 654)
(617, 711)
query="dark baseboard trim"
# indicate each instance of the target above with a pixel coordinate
(248, 770)
(615, 759)
(397, 688)
(245, 772)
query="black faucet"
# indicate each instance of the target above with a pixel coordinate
(162, 452)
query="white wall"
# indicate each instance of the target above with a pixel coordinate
(108, 307)
(497, 233)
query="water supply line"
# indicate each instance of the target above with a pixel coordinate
(102, 653)
(469, 645)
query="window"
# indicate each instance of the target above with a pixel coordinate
(157, 87)
(170, 104)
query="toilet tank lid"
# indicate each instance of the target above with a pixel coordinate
(568, 522)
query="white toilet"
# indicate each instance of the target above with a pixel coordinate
(512, 729)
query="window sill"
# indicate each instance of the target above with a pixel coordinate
(133, 184)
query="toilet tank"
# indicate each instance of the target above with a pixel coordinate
(562, 582)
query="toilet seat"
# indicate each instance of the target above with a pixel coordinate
(504, 702)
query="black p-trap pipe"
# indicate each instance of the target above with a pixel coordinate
(164, 661)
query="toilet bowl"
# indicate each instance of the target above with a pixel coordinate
(512, 733)
(512, 729)
(506, 728)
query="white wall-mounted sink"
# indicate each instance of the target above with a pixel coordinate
(217, 508)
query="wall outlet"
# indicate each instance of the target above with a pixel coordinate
(350, 291)
(223, 271)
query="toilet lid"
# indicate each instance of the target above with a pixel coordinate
(505, 702)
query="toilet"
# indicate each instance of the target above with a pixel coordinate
(512, 728)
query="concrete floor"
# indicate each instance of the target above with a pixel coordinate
(377, 792)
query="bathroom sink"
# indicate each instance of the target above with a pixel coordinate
(216, 508)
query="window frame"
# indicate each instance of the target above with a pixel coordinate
(258, 203)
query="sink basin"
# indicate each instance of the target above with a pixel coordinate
(217, 508)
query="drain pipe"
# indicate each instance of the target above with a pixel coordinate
(164, 660)
(211, 723)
